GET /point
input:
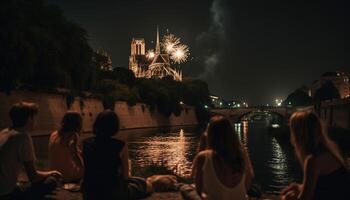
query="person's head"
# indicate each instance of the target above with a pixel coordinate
(308, 136)
(106, 124)
(22, 115)
(71, 123)
(222, 139)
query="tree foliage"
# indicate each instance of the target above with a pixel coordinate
(41, 48)
(327, 91)
(298, 98)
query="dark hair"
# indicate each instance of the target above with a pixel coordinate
(106, 124)
(223, 140)
(71, 122)
(21, 112)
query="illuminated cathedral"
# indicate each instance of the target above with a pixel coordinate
(153, 64)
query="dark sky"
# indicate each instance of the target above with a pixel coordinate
(251, 50)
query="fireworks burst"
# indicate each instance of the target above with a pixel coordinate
(180, 53)
(169, 43)
(150, 54)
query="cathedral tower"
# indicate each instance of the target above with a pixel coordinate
(138, 46)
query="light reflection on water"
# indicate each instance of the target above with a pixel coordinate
(273, 162)
(174, 150)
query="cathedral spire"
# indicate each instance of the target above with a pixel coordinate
(157, 45)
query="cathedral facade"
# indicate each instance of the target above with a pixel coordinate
(151, 64)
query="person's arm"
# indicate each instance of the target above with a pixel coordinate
(27, 157)
(291, 192)
(76, 151)
(304, 191)
(249, 172)
(310, 179)
(35, 175)
(125, 162)
(197, 172)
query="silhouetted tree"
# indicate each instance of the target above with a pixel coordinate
(298, 98)
(327, 92)
(40, 48)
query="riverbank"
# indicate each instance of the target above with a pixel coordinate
(53, 106)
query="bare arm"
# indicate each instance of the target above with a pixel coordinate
(310, 179)
(125, 162)
(76, 151)
(35, 175)
(304, 191)
(197, 172)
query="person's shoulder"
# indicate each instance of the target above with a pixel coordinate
(202, 155)
(11, 135)
(205, 152)
(118, 143)
(19, 135)
(54, 135)
(89, 140)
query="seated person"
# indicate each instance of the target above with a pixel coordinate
(106, 164)
(16, 152)
(64, 151)
(325, 172)
(222, 169)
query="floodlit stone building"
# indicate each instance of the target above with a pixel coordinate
(151, 64)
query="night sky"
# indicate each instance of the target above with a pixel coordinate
(246, 50)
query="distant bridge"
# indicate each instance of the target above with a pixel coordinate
(236, 114)
(334, 113)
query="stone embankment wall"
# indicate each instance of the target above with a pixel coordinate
(53, 106)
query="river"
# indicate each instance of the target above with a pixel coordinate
(274, 162)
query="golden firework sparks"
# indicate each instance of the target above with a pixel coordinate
(169, 43)
(150, 54)
(180, 53)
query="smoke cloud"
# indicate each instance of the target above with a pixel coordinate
(213, 41)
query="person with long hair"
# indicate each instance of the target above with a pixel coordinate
(325, 170)
(106, 160)
(222, 169)
(64, 150)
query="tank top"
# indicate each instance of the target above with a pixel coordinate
(61, 158)
(214, 188)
